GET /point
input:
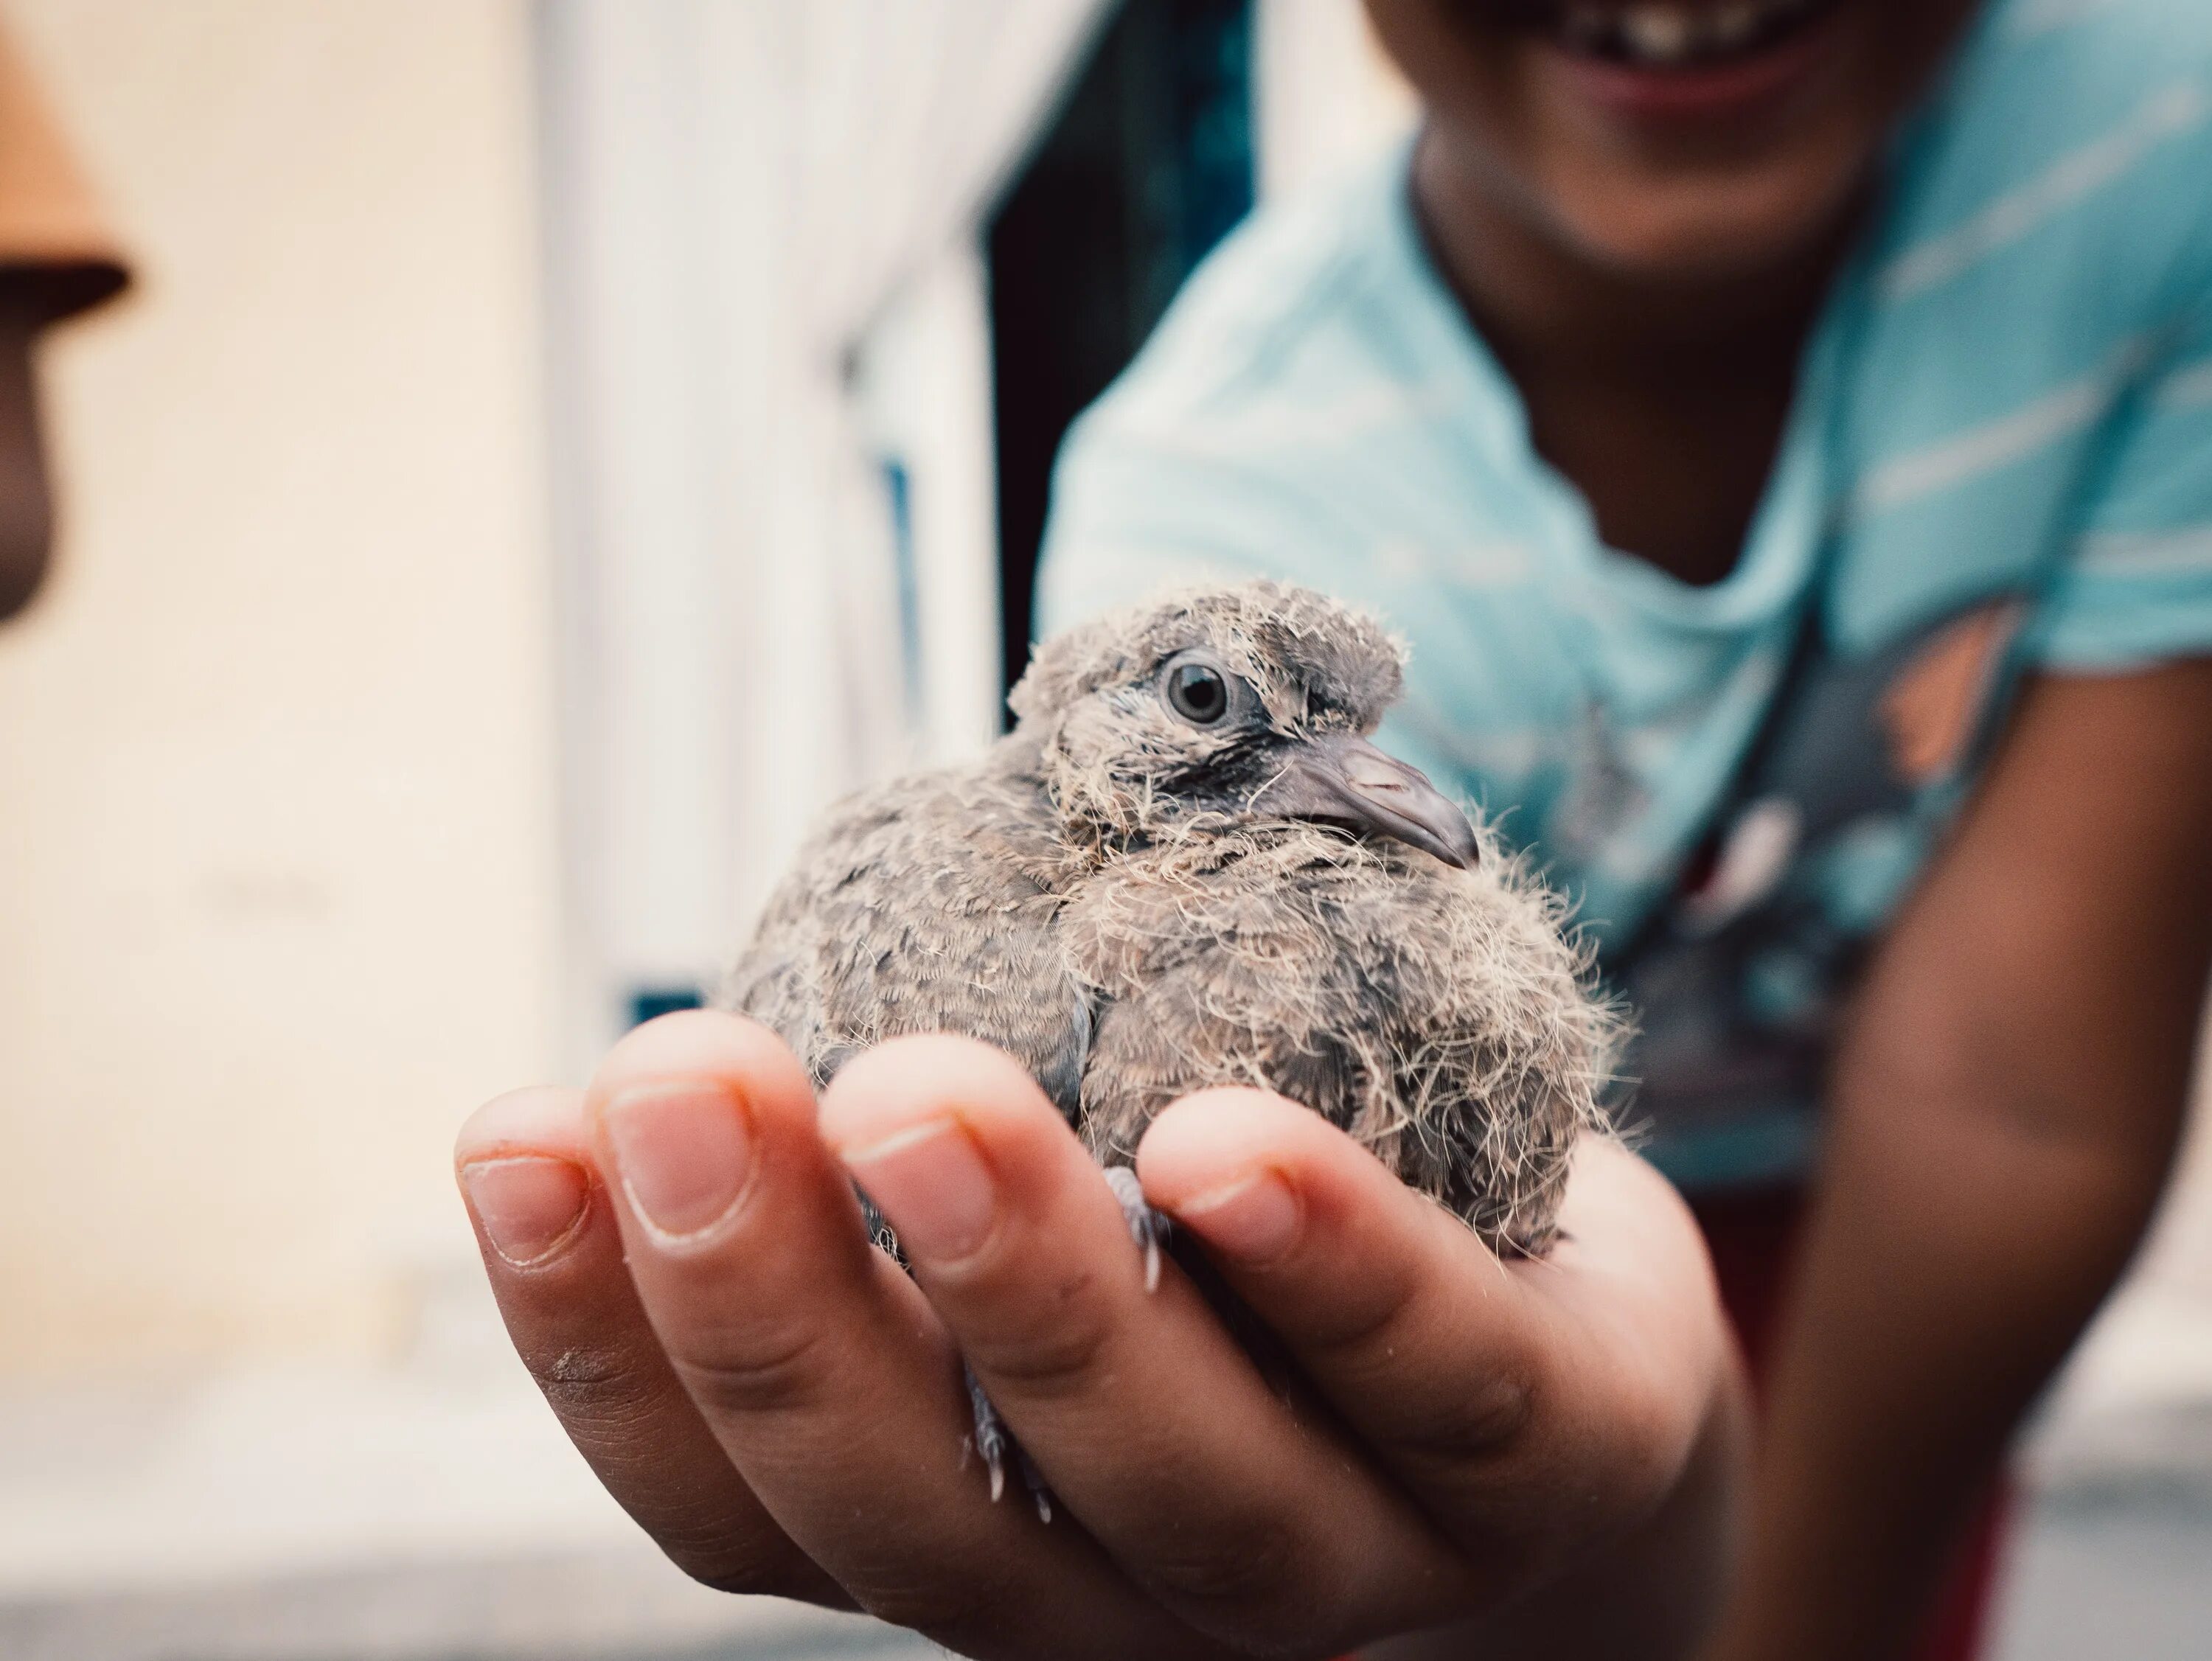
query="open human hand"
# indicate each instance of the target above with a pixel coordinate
(682, 1266)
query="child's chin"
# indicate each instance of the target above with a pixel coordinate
(1706, 224)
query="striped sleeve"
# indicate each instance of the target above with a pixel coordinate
(2137, 589)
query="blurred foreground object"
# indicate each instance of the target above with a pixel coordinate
(58, 257)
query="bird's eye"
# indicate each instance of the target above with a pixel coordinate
(1199, 692)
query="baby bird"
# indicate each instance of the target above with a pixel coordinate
(1186, 866)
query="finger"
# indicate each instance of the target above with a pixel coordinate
(551, 1247)
(1529, 1406)
(817, 1364)
(1252, 1522)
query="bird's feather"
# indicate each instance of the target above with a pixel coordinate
(926, 906)
(1103, 897)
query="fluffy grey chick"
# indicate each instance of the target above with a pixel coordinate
(1187, 866)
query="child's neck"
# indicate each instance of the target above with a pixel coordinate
(1662, 401)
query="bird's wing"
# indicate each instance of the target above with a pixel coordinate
(1436, 1015)
(1209, 974)
(928, 905)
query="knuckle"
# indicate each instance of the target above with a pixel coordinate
(757, 1373)
(1252, 1583)
(762, 1566)
(1360, 1318)
(944, 1607)
(585, 1381)
(1479, 1425)
(1053, 1357)
(741, 1576)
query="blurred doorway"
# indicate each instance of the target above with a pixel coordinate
(1148, 164)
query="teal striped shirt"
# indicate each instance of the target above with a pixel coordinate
(2000, 458)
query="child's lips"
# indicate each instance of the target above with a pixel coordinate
(1677, 89)
(1659, 34)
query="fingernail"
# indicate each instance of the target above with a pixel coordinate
(683, 1152)
(1254, 1218)
(931, 1185)
(528, 1205)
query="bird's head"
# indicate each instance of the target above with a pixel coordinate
(1222, 708)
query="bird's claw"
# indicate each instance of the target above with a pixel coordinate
(991, 1438)
(993, 1442)
(1033, 1479)
(1147, 1227)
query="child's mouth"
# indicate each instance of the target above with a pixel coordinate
(1669, 34)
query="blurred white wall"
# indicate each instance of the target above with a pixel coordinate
(276, 868)
(1325, 98)
(763, 291)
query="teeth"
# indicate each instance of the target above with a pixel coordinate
(1668, 35)
(1659, 34)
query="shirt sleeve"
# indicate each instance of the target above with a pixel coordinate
(2136, 588)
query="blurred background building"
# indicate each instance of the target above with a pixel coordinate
(552, 449)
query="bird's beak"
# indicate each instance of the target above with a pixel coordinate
(1342, 780)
